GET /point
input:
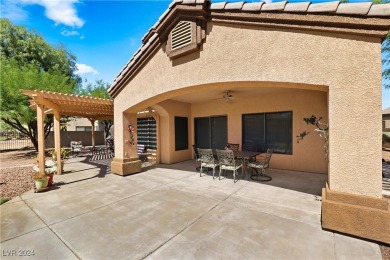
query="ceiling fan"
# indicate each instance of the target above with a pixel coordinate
(228, 96)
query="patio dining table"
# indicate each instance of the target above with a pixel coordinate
(245, 156)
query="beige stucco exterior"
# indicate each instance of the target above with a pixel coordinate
(252, 57)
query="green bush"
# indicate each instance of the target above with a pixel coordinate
(386, 141)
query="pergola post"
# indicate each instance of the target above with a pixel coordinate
(93, 131)
(41, 137)
(57, 140)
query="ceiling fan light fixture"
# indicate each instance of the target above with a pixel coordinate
(227, 95)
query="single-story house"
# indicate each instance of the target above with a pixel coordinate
(250, 72)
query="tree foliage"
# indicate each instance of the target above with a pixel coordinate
(386, 61)
(99, 90)
(28, 62)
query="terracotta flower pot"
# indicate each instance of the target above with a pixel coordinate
(50, 176)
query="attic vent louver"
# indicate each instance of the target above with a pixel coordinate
(181, 35)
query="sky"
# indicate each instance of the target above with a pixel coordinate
(102, 34)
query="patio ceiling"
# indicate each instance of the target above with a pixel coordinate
(72, 105)
(237, 92)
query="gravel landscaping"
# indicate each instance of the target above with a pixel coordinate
(14, 181)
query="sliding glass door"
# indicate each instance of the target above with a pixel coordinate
(211, 132)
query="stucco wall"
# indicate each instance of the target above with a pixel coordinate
(349, 65)
(308, 155)
(166, 127)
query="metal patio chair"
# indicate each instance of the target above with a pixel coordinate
(228, 162)
(233, 147)
(197, 158)
(262, 165)
(207, 160)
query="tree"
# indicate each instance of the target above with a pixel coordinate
(28, 62)
(99, 90)
(385, 52)
(386, 61)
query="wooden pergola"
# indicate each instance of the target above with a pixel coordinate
(59, 104)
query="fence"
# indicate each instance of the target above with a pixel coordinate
(14, 140)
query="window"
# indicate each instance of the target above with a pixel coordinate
(83, 128)
(268, 130)
(181, 133)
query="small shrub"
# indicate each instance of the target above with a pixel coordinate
(386, 141)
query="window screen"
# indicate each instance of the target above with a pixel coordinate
(268, 130)
(181, 133)
(278, 132)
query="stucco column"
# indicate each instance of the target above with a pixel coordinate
(41, 137)
(353, 203)
(126, 157)
(57, 140)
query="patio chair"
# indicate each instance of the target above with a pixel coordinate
(228, 162)
(76, 147)
(197, 158)
(262, 165)
(207, 160)
(233, 147)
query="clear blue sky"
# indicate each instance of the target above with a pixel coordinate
(102, 34)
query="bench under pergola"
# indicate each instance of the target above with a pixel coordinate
(60, 104)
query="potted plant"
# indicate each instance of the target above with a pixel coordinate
(50, 173)
(63, 157)
(41, 180)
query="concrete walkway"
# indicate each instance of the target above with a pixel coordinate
(167, 213)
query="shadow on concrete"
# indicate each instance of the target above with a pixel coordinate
(305, 182)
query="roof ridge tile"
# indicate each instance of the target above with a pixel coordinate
(354, 8)
(297, 7)
(234, 6)
(252, 6)
(218, 6)
(327, 7)
(277, 6)
(379, 10)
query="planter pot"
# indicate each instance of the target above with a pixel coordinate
(62, 166)
(41, 183)
(50, 180)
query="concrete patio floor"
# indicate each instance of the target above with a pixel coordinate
(169, 212)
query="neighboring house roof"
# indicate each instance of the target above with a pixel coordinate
(386, 111)
(351, 18)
